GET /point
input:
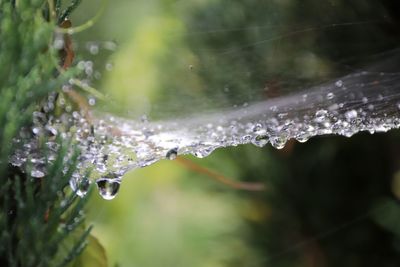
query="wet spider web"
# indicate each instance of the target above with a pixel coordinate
(262, 84)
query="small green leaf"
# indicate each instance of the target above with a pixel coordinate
(94, 255)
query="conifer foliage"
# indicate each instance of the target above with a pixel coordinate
(41, 219)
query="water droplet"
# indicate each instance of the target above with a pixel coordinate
(51, 130)
(97, 75)
(339, 83)
(278, 141)
(282, 115)
(330, 96)
(81, 65)
(68, 108)
(94, 49)
(351, 115)
(246, 138)
(109, 66)
(202, 153)
(88, 64)
(302, 138)
(321, 112)
(257, 127)
(36, 130)
(172, 154)
(333, 107)
(76, 115)
(59, 42)
(92, 101)
(260, 140)
(80, 186)
(398, 105)
(108, 188)
(321, 115)
(110, 45)
(37, 173)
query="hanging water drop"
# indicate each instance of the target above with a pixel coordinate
(278, 141)
(172, 154)
(260, 140)
(108, 187)
(303, 137)
(80, 186)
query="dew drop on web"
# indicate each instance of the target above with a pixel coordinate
(260, 140)
(339, 83)
(343, 106)
(203, 152)
(37, 173)
(278, 142)
(80, 186)
(108, 187)
(172, 154)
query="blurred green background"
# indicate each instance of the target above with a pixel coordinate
(329, 202)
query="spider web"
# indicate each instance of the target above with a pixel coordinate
(220, 84)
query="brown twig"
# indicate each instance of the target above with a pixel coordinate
(219, 177)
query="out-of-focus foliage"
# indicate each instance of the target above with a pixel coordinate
(329, 202)
(215, 54)
(171, 220)
(93, 255)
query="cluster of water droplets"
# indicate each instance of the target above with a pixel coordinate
(365, 101)
(111, 146)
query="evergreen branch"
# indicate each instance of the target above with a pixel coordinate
(65, 14)
(58, 7)
(33, 211)
(78, 248)
(87, 24)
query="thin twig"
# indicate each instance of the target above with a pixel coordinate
(87, 24)
(221, 178)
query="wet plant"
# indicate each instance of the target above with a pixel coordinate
(41, 219)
